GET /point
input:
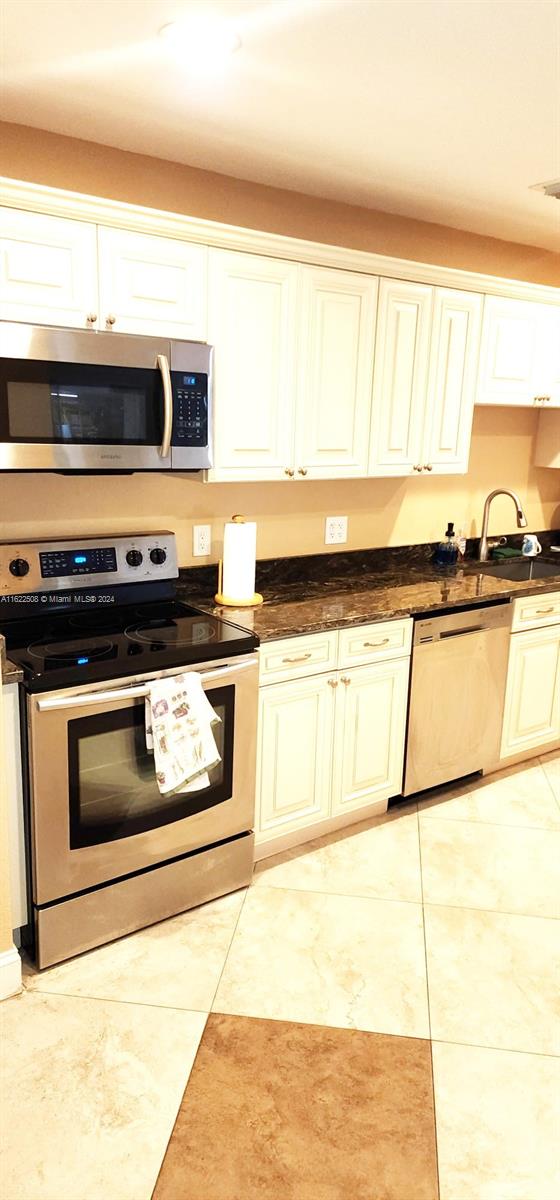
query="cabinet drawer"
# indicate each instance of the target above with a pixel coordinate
(531, 612)
(288, 658)
(368, 643)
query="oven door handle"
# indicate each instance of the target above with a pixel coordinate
(163, 364)
(130, 693)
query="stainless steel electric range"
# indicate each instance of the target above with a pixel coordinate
(92, 622)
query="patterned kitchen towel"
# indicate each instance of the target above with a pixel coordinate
(179, 720)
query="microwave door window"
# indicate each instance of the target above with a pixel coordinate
(84, 405)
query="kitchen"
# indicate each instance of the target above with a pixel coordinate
(350, 381)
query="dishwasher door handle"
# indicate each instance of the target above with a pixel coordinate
(451, 633)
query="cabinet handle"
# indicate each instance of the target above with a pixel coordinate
(543, 612)
(427, 467)
(91, 318)
(297, 658)
(417, 468)
(302, 470)
(346, 680)
(375, 645)
(332, 682)
(110, 320)
(541, 399)
(289, 471)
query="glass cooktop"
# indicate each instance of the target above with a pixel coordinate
(64, 650)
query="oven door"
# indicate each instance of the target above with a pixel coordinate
(97, 813)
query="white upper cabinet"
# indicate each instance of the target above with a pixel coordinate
(151, 285)
(400, 378)
(48, 272)
(424, 379)
(252, 324)
(452, 381)
(336, 347)
(520, 354)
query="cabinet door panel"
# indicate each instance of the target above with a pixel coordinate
(369, 734)
(252, 324)
(152, 285)
(334, 393)
(451, 387)
(294, 756)
(509, 352)
(532, 704)
(400, 377)
(548, 358)
(48, 271)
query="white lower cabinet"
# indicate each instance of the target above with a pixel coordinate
(330, 744)
(370, 724)
(532, 703)
(296, 723)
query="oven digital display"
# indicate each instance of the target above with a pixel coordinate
(99, 561)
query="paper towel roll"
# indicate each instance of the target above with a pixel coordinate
(239, 562)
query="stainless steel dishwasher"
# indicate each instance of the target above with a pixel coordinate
(459, 667)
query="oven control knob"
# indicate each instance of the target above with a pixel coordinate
(158, 556)
(19, 566)
(134, 558)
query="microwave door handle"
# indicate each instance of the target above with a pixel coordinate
(163, 364)
(130, 693)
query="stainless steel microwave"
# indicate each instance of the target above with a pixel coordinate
(79, 400)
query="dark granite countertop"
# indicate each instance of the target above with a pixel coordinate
(309, 596)
(11, 673)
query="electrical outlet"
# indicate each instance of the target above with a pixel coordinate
(202, 540)
(336, 530)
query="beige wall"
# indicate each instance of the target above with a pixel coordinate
(49, 158)
(291, 516)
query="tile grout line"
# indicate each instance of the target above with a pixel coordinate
(504, 912)
(493, 824)
(230, 944)
(33, 991)
(428, 1001)
(545, 773)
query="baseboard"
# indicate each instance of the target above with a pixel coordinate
(10, 973)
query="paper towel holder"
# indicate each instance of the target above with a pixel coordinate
(229, 601)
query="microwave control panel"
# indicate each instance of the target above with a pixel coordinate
(190, 409)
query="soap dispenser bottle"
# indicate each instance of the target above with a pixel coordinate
(447, 551)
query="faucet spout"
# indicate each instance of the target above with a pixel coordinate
(483, 554)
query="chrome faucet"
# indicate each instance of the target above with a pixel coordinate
(521, 519)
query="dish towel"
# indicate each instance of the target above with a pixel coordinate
(179, 720)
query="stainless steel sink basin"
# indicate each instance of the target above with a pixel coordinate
(520, 569)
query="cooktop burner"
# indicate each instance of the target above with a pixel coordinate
(69, 652)
(66, 649)
(169, 631)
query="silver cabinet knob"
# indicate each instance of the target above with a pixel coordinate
(427, 467)
(110, 320)
(91, 318)
(417, 468)
(302, 470)
(289, 471)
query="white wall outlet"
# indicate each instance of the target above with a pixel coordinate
(336, 530)
(201, 540)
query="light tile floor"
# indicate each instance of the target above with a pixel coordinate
(439, 921)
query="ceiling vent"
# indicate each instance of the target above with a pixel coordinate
(550, 189)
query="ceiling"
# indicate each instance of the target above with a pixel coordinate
(446, 110)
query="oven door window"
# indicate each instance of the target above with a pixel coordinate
(79, 404)
(113, 791)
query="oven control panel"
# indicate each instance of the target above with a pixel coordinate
(29, 567)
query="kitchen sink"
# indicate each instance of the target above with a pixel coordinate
(520, 569)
